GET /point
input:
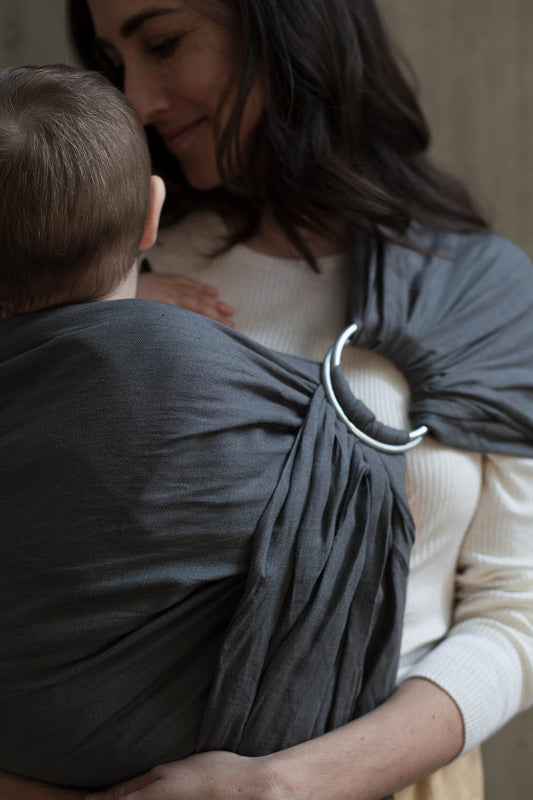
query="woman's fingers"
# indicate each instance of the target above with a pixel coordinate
(127, 789)
(214, 776)
(187, 293)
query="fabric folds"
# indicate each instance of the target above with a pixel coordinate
(196, 552)
(314, 640)
(456, 317)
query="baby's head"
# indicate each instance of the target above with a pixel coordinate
(74, 187)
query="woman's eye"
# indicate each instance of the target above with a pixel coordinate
(165, 48)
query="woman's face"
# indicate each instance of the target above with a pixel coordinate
(177, 63)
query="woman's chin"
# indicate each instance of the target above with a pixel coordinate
(201, 176)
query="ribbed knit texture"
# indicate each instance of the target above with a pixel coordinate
(469, 618)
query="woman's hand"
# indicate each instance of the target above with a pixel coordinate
(178, 290)
(206, 776)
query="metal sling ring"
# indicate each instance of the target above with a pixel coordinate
(333, 357)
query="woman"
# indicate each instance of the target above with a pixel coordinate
(284, 132)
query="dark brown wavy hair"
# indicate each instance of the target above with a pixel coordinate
(342, 137)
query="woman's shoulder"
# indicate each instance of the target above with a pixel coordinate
(482, 251)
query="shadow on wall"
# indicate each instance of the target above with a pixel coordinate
(33, 32)
(508, 761)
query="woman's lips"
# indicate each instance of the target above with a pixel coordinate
(176, 138)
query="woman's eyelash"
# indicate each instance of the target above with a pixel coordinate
(165, 48)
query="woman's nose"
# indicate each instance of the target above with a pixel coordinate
(146, 95)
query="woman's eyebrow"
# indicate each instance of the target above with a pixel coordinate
(131, 25)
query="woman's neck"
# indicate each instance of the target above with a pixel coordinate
(271, 240)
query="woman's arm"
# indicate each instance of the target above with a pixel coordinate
(413, 733)
(488, 651)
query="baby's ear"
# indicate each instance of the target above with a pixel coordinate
(157, 198)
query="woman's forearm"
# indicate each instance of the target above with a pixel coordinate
(417, 730)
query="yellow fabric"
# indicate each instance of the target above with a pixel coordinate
(460, 780)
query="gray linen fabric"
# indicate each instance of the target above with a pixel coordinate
(195, 551)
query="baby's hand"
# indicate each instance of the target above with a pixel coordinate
(181, 291)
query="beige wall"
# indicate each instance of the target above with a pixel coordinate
(474, 60)
(475, 64)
